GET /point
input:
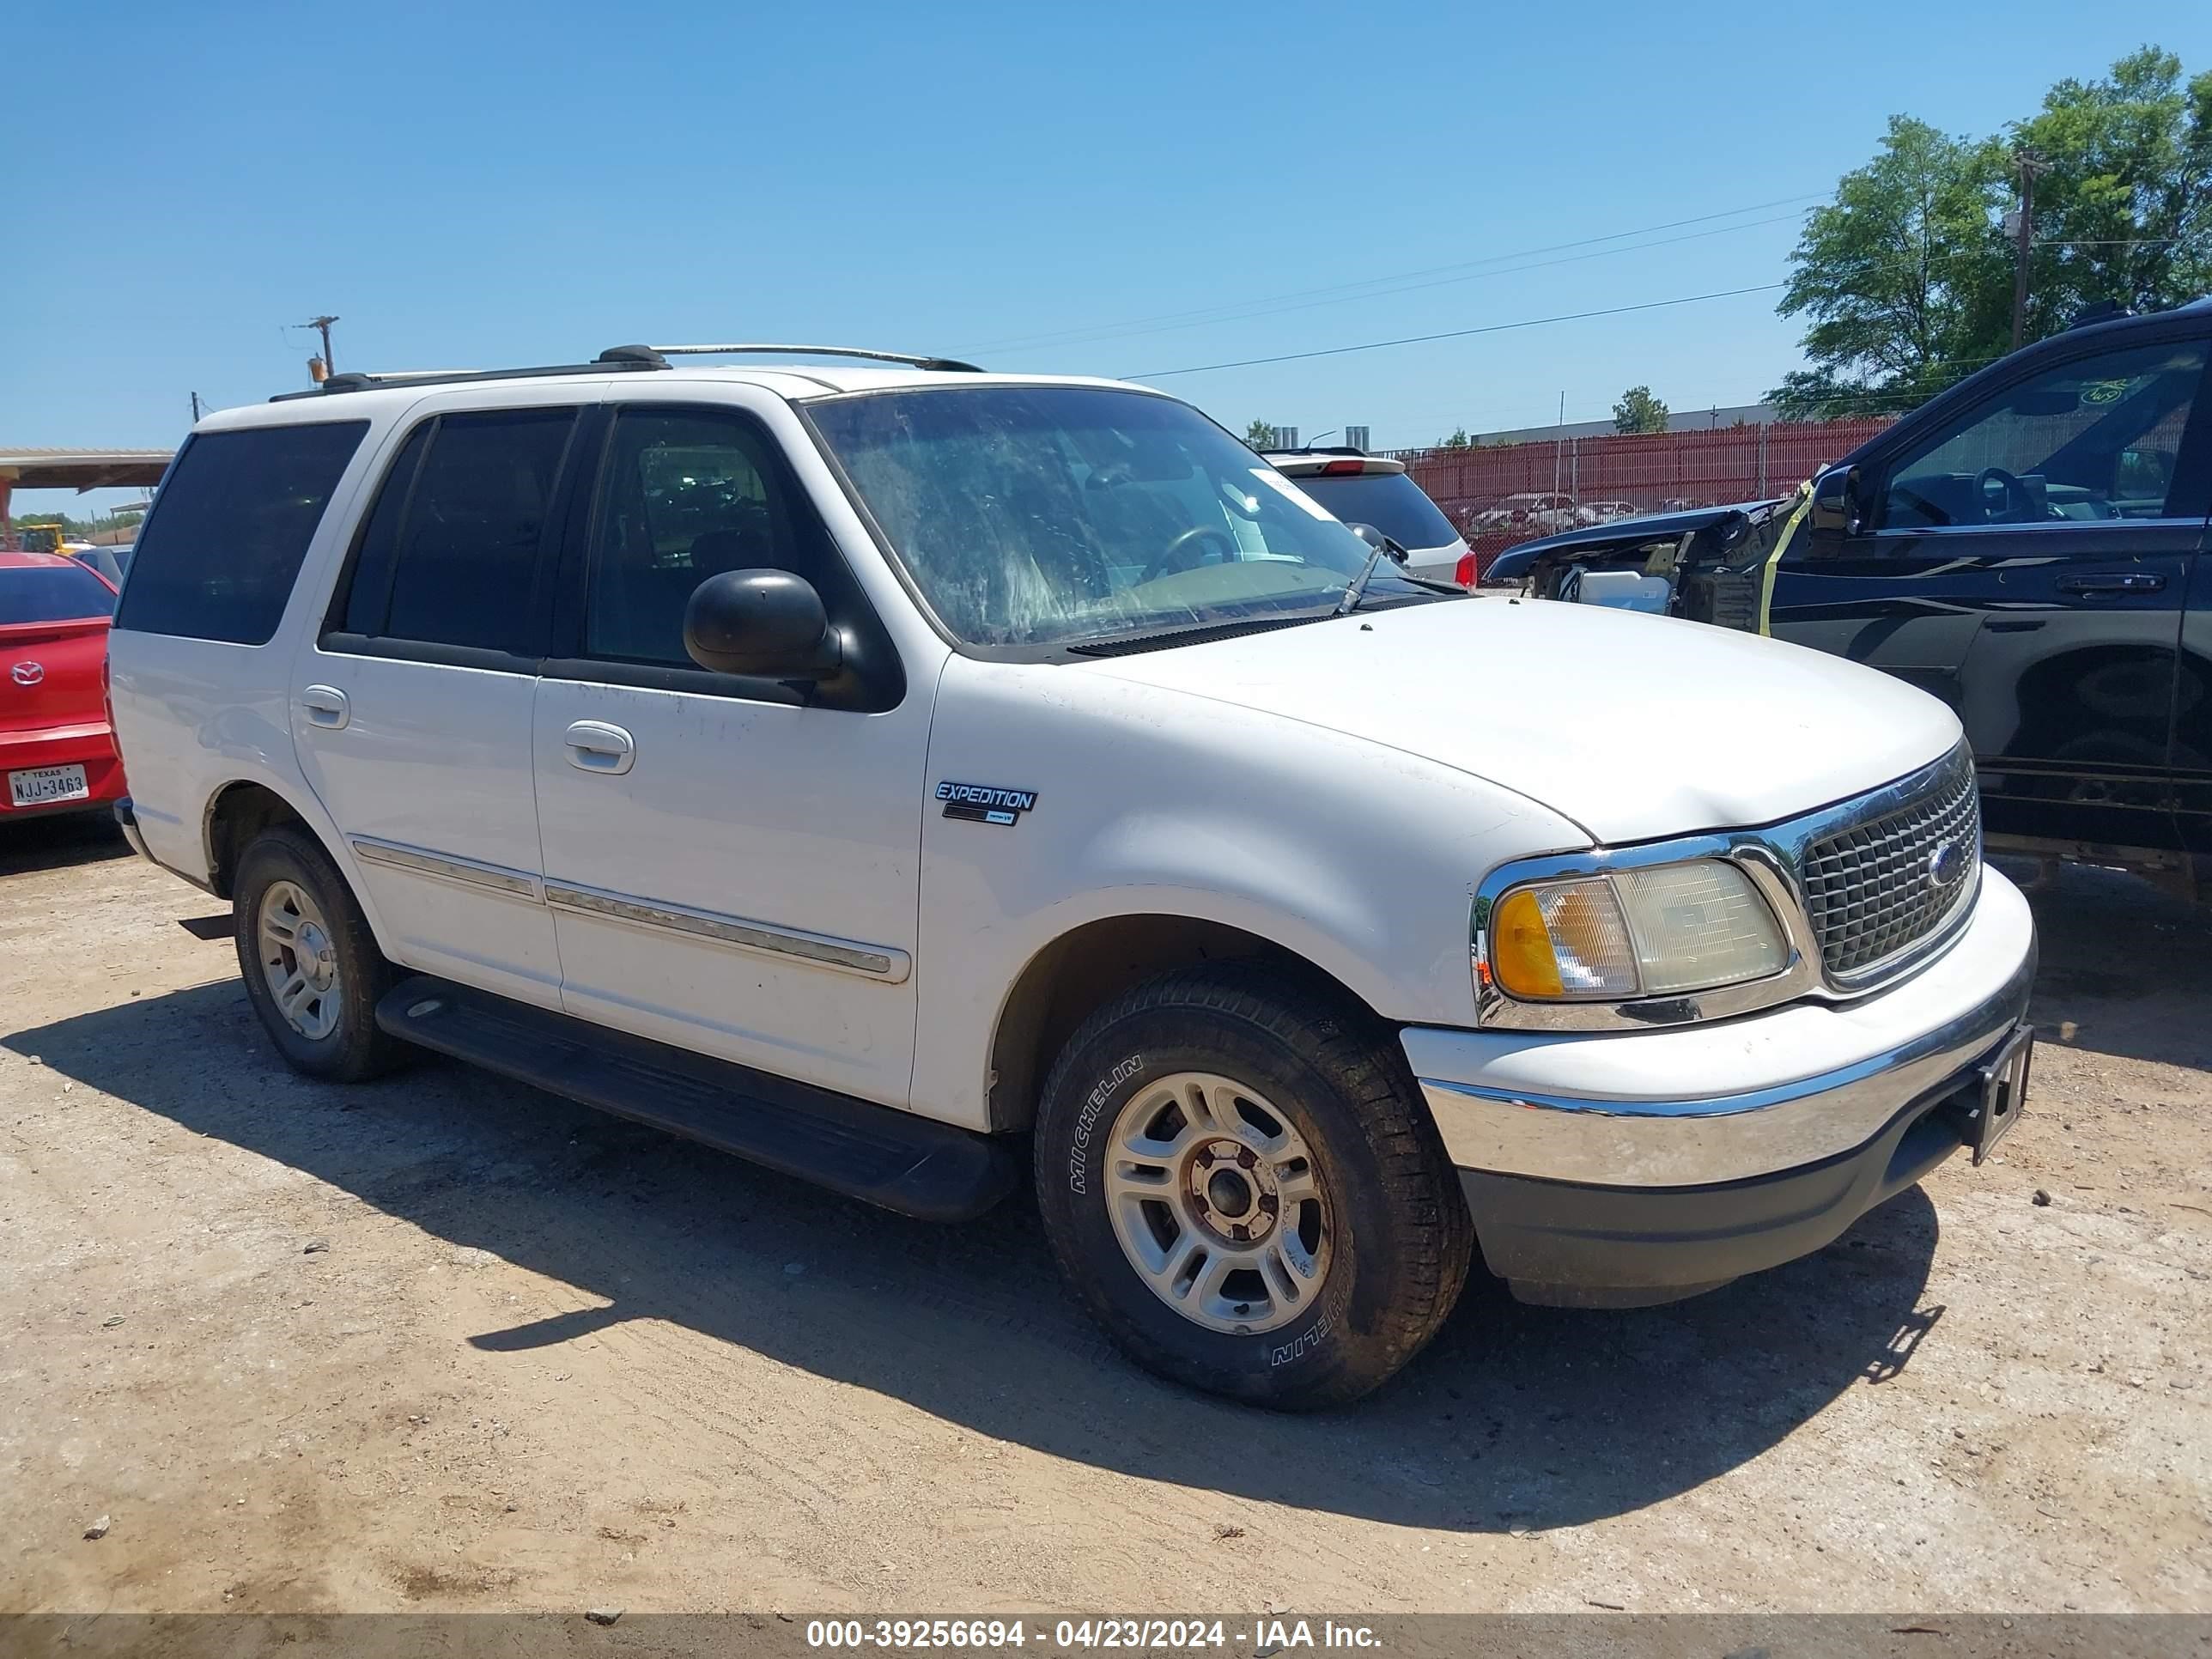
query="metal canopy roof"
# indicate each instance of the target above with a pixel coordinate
(81, 469)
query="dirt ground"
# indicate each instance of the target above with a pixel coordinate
(443, 1342)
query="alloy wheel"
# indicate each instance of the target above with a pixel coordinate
(299, 960)
(1217, 1203)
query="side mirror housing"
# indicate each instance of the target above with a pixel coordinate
(1836, 512)
(767, 625)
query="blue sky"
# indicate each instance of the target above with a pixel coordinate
(479, 184)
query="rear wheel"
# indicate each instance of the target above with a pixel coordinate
(1241, 1186)
(311, 968)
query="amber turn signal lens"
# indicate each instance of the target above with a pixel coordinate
(1520, 953)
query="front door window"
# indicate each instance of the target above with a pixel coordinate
(2090, 440)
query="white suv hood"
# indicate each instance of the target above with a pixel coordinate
(1635, 727)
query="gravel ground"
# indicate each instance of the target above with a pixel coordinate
(443, 1342)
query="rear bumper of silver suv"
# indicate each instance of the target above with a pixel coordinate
(1611, 1168)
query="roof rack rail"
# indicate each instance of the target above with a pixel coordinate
(2100, 311)
(622, 357)
(619, 357)
(948, 365)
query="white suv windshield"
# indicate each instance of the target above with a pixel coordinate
(1053, 515)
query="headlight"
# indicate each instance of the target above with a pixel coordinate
(1655, 931)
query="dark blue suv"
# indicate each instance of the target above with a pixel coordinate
(2031, 546)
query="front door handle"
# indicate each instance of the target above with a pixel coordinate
(2114, 582)
(325, 706)
(596, 746)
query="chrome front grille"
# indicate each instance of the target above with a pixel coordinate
(1874, 889)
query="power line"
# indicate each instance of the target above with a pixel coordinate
(1441, 282)
(1456, 333)
(1867, 400)
(1242, 308)
(1402, 283)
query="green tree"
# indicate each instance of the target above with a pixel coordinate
(60, 521)
(69, 526)
(1906, 278)
(1899, 276)
(1458, 440)
(1639, 411)
(1260, 435)
(2123, 205)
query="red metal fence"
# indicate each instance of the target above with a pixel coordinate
(1516, 492)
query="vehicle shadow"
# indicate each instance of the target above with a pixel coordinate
(2126, 968)
(56, 843)
(1515, 1417)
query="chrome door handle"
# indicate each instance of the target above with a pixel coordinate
(2114, 582)
(596, 746)
(325, 706)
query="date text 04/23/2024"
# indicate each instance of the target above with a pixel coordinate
(1264, 1636)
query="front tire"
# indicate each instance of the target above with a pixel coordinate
(1242, 1187)
(311, 968)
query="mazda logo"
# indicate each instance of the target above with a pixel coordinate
(1948, 862)
(28, 673)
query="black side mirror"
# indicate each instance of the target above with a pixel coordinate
(768, 624)
(1374, 537)
(1836, 512)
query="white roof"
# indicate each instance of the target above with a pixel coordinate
(797, 383)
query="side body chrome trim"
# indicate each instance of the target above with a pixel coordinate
(1693, 1143)
(1773, 858)
(879, 961)
(443, 866)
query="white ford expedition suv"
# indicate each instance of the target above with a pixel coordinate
(870, 771)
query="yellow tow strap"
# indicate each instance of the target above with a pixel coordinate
(1781, 546)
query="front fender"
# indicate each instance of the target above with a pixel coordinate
(1359, 859)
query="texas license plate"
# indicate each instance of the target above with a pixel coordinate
(42, 786)
(2004, 1090)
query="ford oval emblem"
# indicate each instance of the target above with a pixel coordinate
(1947, 862)
(28, 673)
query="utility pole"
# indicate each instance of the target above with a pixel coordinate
(324, 323)
(2032, 167)
(1558, 443)
(196, 409)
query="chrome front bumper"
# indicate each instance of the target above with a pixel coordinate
(1735, 1099)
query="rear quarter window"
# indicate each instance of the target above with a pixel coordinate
(218, 559)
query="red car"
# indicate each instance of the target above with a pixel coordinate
(57, 746)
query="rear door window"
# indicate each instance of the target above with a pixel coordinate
(217, 558)
(454, 550)
(47, 593)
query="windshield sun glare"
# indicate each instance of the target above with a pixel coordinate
(1050, 515)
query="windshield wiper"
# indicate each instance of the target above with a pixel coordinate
(1196, 634)
(1358, 586)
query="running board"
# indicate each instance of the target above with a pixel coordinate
(915, 1165)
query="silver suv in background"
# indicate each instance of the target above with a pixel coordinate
(1371, 489)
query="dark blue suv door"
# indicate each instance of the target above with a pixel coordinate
(2025, 551)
